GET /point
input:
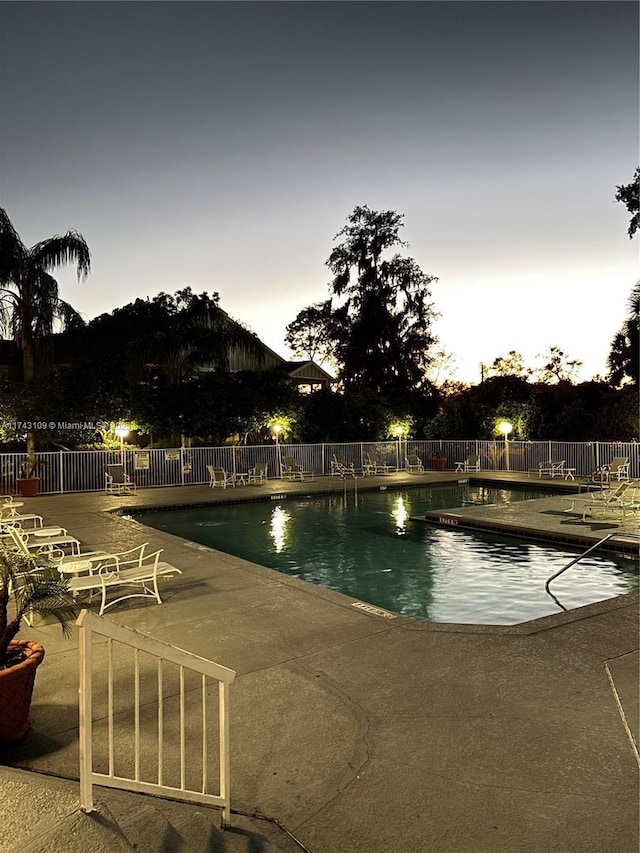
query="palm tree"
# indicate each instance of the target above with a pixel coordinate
(29, 302)
(625, 347)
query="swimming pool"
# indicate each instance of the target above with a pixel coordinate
(367, 547)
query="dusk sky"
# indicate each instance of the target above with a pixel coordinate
(222, 145)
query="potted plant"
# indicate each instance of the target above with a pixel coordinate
(438, 459)
(29, 482)
(27, 586)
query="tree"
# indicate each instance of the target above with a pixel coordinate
(441, 370)
(629, 195)
(149, 350)
(625, 347)
(30, 305)
(170, 336)
(307, 335)
(557, 367)
(510, 365)
(376, 325)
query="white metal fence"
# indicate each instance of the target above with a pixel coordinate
(137, 710)
(84, 471)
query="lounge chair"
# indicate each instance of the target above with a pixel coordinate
(622, 500)
(219, 477)
(86, 562)
(413, 464)
(292, 470)
(116, 571)
(7, 517)
(42, 545)
(471, 463)
(602, 496)
(259, 473)
(117, 480)
(341, 468)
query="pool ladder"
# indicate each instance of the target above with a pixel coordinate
(578, 558)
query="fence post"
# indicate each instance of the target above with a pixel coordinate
(223, 700)
(85, 711)
(60, 471)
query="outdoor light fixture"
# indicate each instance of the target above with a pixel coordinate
(505, 428)
(276, 429)
(122, 430)
(398, 431)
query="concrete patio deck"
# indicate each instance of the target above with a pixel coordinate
(363, 733)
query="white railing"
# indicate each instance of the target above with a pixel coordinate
(150, 753)
(84, 470)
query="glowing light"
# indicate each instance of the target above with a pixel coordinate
(278, 530)
(122, 430)
(401, 515)
(505, 428)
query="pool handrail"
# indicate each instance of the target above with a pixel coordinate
(577, 559)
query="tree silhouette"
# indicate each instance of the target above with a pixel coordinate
(629, 195)
(376, 324)
(624, 355)
(30, 305)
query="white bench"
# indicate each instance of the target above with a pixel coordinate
(113, 571)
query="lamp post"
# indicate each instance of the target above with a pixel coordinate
(276, 429)
(505, 428)
(398, 431)
(121, 431)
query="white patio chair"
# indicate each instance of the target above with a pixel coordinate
(413, 464)
(259, 473)
(341, 468)
(117, 480)
(471, 463)
(292, 470)
(219, 477)
(377, 465)
(552, 468)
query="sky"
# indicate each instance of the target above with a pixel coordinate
(222, 145)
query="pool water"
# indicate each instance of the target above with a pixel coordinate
(367, 547)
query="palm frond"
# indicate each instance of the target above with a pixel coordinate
(58, 251)
(41, 312)
(34, 587)
(68, 317)
(13, 252)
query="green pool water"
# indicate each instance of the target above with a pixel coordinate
(367, 547)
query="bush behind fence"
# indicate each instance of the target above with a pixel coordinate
(84, 470)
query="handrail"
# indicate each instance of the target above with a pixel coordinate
(164, 655)
(576, 559)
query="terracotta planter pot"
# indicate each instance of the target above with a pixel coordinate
(16, 689)
(439, 464)
(28, 486)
